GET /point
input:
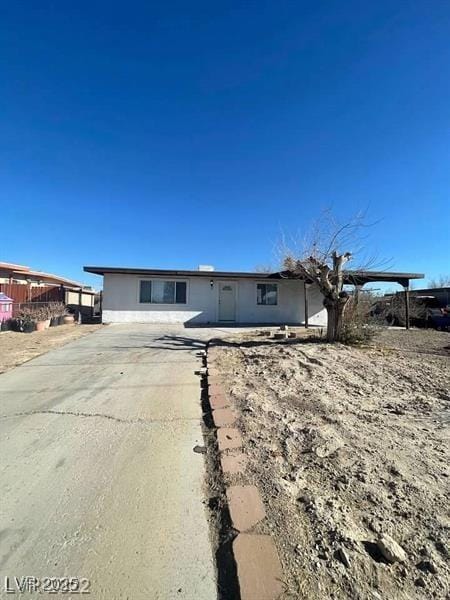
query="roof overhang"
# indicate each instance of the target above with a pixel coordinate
(363, 277)
(25, 273)
(180, 273)
(45, 278)
(350, 277)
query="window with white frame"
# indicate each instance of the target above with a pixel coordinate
(158, 291)
(267, 294)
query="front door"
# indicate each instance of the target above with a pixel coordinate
(227, 301)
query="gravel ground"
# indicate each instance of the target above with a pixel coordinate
(17, 348)
(349, 445)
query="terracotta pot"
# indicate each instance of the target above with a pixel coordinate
(40, 325)
(68, 319)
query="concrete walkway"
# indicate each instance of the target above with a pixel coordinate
(99, 479)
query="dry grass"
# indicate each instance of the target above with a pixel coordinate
(17, 348)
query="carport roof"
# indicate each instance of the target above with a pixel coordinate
(351, 277)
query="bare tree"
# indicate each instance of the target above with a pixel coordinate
(439, 282)
(322, 258)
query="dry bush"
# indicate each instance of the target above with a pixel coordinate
(42, 311)
(57, 309)
(390, 310)
(358, 325)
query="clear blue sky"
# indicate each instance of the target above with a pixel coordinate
(168, 134)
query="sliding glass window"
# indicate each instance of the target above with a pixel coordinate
(158, 291)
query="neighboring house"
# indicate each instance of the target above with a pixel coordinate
(207, 296)
(20, 274)
(25, 285)
(435, 298)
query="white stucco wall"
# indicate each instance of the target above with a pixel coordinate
(317, 314)
(121, 302)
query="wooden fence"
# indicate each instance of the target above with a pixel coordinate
(78, 301)
(22, 293)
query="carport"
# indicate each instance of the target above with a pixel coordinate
(360, 278)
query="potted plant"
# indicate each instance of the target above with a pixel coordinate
(41, 319)
(28, 325)
(40, 325)
(68, 318)
(38, 315)
(56, 311)
(25, 322)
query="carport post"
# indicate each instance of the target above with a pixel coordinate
(406, 288)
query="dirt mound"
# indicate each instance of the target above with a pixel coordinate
(350, 447)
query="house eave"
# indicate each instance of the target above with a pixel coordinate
(180, 273)
(350, 277)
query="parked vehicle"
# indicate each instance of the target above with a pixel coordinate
(440, 322)
(428, 308)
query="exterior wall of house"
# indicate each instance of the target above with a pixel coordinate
(121, 302)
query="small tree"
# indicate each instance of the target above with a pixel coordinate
(321, 261)
(330, 280)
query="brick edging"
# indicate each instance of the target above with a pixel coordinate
(258, 566)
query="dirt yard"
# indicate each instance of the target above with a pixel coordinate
(17, 348)
(347, 445)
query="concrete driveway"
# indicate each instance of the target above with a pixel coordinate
(99, 478)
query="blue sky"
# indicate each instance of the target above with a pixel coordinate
(168, 134)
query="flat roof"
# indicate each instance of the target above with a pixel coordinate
(22, 272)
(180, 273)
(362, 277)
(351, 277)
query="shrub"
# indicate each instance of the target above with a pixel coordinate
(31, 313)
(56, 309)
(390, 309)
(358, 326)
(24, 321)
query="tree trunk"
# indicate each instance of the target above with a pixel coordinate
(335, 313)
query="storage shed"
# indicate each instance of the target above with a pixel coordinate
(5, 307)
